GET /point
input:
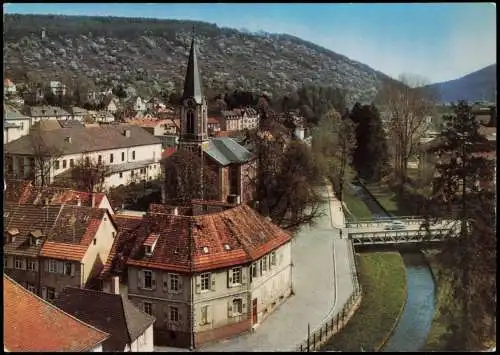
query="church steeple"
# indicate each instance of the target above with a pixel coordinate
(192, 82)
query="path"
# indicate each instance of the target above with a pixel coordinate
(319, 289)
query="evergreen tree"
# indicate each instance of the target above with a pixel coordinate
(461, 195)
(370, 158)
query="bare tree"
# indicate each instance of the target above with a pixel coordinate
(43, 156)
(407, 104)
(89, 174)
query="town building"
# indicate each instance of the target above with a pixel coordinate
(49, 247)
(239, 119)
(15, 124)
(31, 324)
(213, 126)
(57, 88)
(129, 153)
(130, 329)
(38, 113)
(9, 88)
(110, 104)
(205, 271)
(77, 113)
(233, 164)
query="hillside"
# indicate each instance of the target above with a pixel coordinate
(149, 53)
(480, 85)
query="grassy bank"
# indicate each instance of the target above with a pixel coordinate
(355, 205)
(383, 278)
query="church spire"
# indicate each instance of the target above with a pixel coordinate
(192, 82)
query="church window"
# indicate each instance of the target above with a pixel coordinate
(190, 122)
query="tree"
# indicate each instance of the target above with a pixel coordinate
(333, 145)
(469, 260)
(182, 176)
(407, 105)
(89, 174)
(315, 101)
(119, 91)
(43, 156)
(285, 178)
(370, 158)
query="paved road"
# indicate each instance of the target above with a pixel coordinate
(319, 289)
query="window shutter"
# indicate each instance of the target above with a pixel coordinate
(180, 314)
(209, 314)
(140, 282)
(153, 280)
(212, 279)
(72, 269)
(44, 293)
(23, 263)
(36, 265)
(46, 262)
(198, 286)
(244, 275)
(229, 278)
(280, 258)
(229, 309)
(269, 264)
(244, 305)
(60, 267)
(180, 283)
(166, 286)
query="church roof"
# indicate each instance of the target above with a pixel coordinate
(225, 151)
(192, 82)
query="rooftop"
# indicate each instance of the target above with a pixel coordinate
(32, 324)
(225, 151)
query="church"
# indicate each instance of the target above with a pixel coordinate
(232, 163)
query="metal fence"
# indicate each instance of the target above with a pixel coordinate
(335, 322)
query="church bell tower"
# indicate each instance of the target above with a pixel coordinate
(194, 119)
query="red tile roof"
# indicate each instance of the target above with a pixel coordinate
(168, 152)
(32, 324)
(249, 236)
(151, 239)
(213, 120)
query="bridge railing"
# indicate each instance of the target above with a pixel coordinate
(396, 234)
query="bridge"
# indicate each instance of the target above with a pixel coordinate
(375, 231)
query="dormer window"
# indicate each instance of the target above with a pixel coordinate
(36, 237)
(205, 250)
(13, 232)
(227, 247)
(150, 243)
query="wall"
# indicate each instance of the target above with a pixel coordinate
(97, 349)
(12, 134)
(60, 280)
(21, 275)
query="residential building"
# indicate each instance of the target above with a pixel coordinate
(31, 324)
(9, 87)
(104, 117)
(110, 104)
(213, 126)
(57, 88)
(208, 275)
(49, 247)
(15, 124)
(77, 113)
(233, 164)
(137, 104)
(130, 329)
(24, 192)
(239, 119)
(38, 113)
(155, 105)
(129, 153)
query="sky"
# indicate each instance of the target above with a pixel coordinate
(439, 42)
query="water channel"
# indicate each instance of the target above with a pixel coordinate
(414, 324)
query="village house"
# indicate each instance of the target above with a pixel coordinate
(57, 88)
(38, 113)
(239, 119)
(213, 126)
(137, 104)
(110, 104)
(49, 247)
(130, 329)
(31, 324)
(104, 117)
(77, 113)
(208, 276)
(233, 165)
(9, 88)
(129, 153)
(15, 124)
(155, 105)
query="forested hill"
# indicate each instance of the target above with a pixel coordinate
(149, 53)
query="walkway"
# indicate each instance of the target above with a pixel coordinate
(319, 289)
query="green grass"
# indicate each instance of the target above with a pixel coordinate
(383, 278)
(355, 205)
(386, 197)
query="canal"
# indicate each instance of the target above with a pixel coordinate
(414, 324)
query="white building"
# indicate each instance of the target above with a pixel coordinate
(39, 113)
(9, 87)
(15, 124)
(57, 88)
(129, 152)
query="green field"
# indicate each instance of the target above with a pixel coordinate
(387, 198)
(355, 205)
(383, 278)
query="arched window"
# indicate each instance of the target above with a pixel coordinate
(190, 122)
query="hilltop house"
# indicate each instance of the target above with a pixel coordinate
(130, 329)
(239, 119)
(49, 247)
(15, 124)
(129, 153)
(110, 104)
(204, 275)
(31, 324)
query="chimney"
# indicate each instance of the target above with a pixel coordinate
(78, 202)
(176, 211)
(93, 200)
(126, 133)
(67, 139)
(115, 285)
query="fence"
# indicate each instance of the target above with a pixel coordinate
(336, 322)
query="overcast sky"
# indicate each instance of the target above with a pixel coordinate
(438, 41)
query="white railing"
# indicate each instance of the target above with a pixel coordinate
(392, 237)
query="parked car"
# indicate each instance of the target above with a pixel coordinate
(395, 225)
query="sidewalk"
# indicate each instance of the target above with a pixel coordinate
(321, 287)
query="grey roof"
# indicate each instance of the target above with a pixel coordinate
(192, 82)
(114, 314)
(45, 111)
(88, 139)
(12, 114)
(116, 168)
(225, 151)
(10, 124)
(70, 123)
(75, 110)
